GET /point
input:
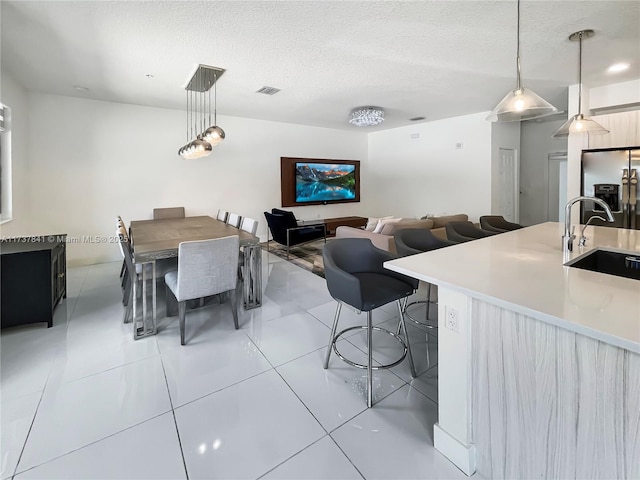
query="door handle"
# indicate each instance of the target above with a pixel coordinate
(633, 197)
(625, 198)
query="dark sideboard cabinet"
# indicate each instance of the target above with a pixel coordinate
(33, 273)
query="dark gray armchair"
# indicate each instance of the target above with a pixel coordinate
(285, 230)
(355, 275)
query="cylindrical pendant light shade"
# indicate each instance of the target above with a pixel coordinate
(579, 124)
(521, 104)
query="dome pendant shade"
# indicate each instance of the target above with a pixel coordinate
(214, 135)
(579, 124)
(200, 148)
(521, 104)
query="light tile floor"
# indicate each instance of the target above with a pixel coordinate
(83, 400)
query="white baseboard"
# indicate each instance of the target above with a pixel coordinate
(462, 456)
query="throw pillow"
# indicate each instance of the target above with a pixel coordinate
(383, 221)
(391, 228)
(373, 221)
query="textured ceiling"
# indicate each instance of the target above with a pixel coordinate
(435, 59)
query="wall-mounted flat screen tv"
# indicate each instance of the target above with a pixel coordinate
(312, 181)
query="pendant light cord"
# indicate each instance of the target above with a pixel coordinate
(518, 47)
(580, 76)
(215, 99)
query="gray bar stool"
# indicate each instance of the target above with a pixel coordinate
(412, 241)
(355, 276)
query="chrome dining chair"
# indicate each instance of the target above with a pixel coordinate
(205, 268)
(222, 215)
(234, 220)
(164, 213)
(249, 225)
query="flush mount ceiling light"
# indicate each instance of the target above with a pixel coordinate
(198, 105)
(366, 116)
(521, 103)
(579, 123)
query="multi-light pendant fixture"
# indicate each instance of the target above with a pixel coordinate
(198, 105)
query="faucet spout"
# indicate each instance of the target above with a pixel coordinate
(569, 237)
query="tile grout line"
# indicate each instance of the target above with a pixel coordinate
(55, 358)
(345, 454)
(91, 443)
(173, 413)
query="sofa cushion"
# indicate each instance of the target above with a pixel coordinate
(372, 222)
(384, 221)
(442, 221)
(391, 228)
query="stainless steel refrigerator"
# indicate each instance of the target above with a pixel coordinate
(612, 175)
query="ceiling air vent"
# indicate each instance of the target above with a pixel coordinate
(268, 90)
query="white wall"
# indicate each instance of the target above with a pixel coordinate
(536, 143)
(93, 160)
(15, 97)
(411, 177)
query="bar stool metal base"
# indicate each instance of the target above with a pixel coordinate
(369, 366)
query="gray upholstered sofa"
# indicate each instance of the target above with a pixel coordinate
(384, 239)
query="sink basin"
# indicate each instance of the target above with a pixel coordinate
(611, 263)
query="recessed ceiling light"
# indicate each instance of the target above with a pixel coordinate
(80, 88)
(618, 67)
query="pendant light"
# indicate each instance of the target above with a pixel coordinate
(202, 80)
(521, 103)
(579, 123)
(214, 135)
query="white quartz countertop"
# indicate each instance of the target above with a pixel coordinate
(524, 271)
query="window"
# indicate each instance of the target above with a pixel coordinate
(5, 163)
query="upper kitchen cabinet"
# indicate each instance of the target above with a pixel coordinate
(624, 130)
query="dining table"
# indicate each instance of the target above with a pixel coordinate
(153, 240)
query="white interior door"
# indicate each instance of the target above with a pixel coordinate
(557, 187)
(508, 185)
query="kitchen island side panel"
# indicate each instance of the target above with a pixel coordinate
(550, 403)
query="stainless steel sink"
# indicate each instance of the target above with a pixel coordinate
(611, 263)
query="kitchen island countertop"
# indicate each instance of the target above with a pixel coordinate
(524, 271)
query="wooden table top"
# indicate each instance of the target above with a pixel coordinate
(155, 239)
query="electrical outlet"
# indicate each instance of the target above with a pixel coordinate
(451, 319)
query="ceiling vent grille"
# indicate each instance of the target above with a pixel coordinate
(268, 90)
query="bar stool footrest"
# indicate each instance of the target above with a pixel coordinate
(360, 365)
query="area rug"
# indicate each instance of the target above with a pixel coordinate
(307, 256)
